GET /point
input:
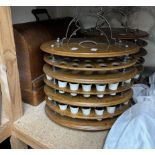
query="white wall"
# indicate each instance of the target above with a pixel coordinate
(22, 14)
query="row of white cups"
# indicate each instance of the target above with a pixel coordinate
(87, 110)
(87, 87)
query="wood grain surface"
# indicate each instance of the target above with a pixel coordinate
(92, 101)
(79, 115)
(114, 50)
(120, 88)
(118, 33)
(87, 77)
(87, 125)
(89, 66)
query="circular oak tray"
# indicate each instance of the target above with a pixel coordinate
(142, 52)
(140, 61)
(93, 91)
(114, 50)
(92, 101)
(119, 33)
(141, 43)
(89, 78)
(88, 125)
(131, 34)
(92, 115)
(89, 66)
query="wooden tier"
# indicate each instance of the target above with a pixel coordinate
(119, 33)
(79, 115)
(88, 125)
(92, 78)
(114, 50)
(125, 87)
(140, 61)
(92, 101)
(89, 65)
(142, 52)
(141, 43)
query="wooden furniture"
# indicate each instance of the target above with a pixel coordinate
(47, 134)
(28, 38)
(11, 104)
(83, 63)
(20, 127)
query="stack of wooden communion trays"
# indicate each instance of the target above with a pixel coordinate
(88, 83)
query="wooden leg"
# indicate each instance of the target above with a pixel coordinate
(17, 144)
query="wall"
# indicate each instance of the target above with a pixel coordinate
(22, 14)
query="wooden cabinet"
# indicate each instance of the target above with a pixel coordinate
(11, 104)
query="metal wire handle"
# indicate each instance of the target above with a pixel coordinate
(75, 31)
(98, 27)
(70, 23)
(87, 41)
